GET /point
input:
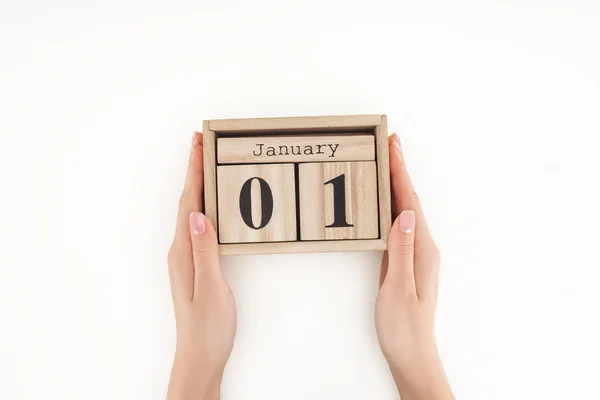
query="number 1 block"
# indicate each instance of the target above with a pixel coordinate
(257, 203)
(338, 200)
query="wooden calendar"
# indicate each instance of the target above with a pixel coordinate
(299, 184)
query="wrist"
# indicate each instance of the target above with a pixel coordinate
(418, 372)
(407, 356)
(194, 378)
(422, 377)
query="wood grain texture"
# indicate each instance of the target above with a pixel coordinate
(304, 148)
(281, 181)
(303, 247)
(383, 179)
(222, 126)
(210, 174)
(318, 201)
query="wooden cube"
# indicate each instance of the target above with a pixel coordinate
(257, 203)
(300, 184)
(338, 200)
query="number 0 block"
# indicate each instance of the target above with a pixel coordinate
(338, 201)
(257, 203)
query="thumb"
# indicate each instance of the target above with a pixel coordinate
(205, 250)
(401, 252)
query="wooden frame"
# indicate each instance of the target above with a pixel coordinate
(372, 124)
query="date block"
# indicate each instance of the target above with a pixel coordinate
(300, 184)
(338, 201)
(257, 203)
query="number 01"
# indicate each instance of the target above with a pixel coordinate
(266, 197)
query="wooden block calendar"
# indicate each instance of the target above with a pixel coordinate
(298, 184)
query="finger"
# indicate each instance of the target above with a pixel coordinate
(194, 178)
(401, 253)
(404, 197)
(181, 260)
(191, 197)
(391, 139)
(204, 249)
(395, 211)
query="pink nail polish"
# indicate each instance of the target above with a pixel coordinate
(195, 140)
(197, 223)
(407, 221)
(396, 143)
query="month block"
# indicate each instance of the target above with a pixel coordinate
(257, 203)
(338, 201)
(299, 184)
(302, 148)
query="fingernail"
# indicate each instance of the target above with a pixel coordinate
(407, 221)
(197, 223)
(195, 140)
(396, 143)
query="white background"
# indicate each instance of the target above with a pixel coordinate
(498, 106)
